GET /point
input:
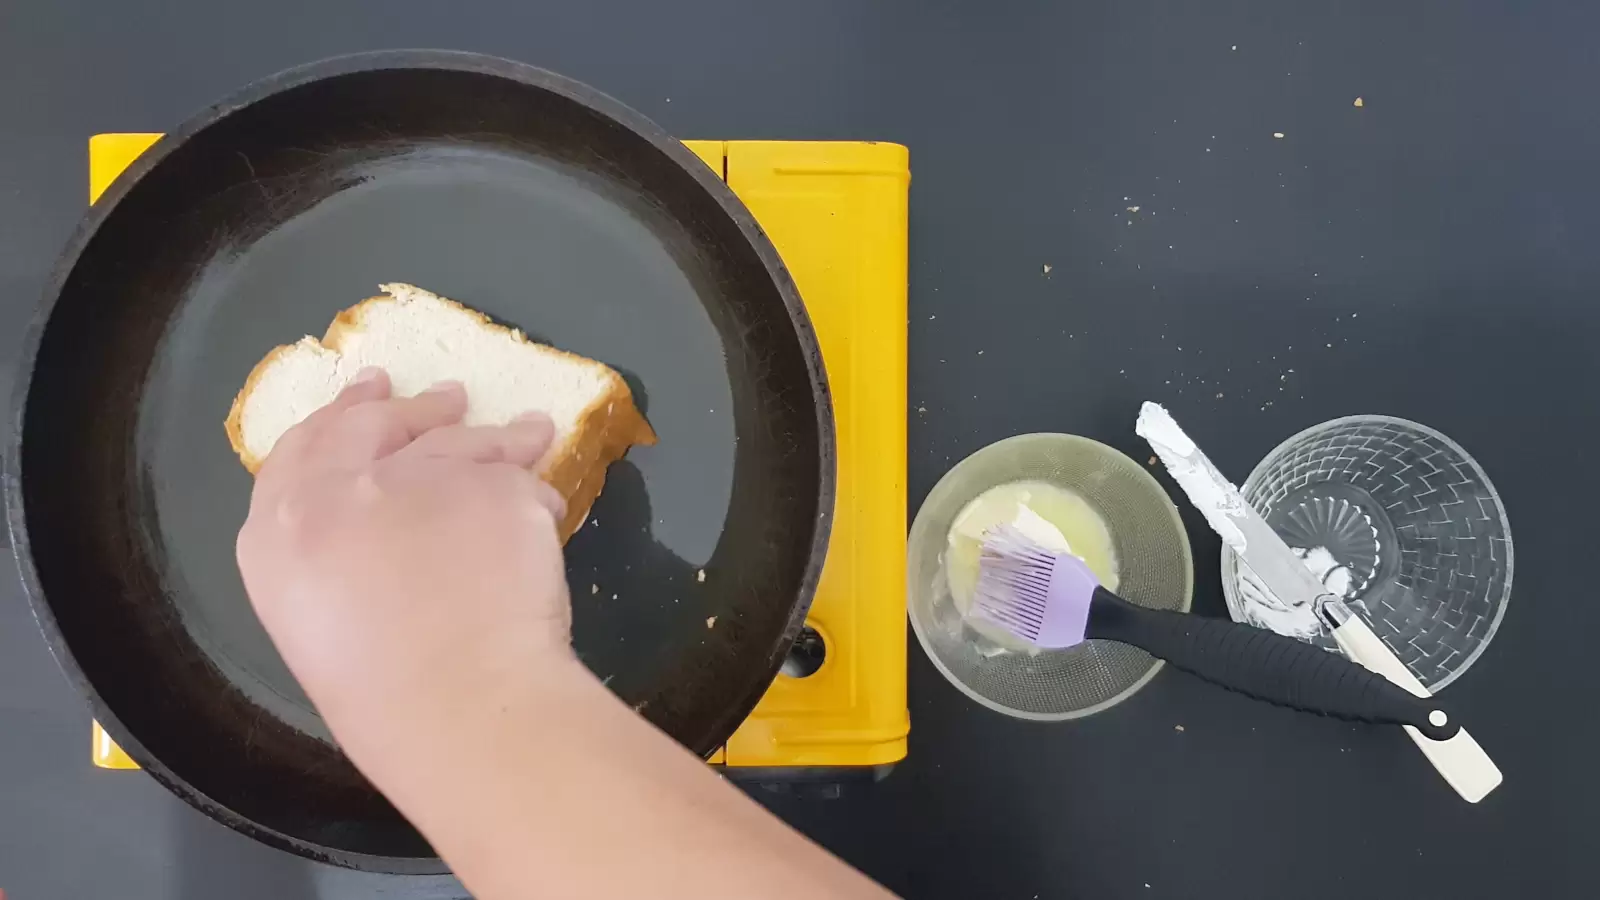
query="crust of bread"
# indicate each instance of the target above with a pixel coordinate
(605, 431)
(576, 467)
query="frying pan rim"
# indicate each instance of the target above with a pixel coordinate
(299, 76)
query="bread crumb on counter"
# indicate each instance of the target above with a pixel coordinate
(711, 622)
(700, 576)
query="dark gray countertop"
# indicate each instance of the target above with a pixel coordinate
(1430, 254)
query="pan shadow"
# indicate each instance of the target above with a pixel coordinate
(634, 601)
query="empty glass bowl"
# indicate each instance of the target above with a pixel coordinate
(1151, 558)
(1416, 530)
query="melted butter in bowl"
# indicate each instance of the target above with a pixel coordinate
(1053, 516)
(1065, 491)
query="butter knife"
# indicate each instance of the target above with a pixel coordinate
(1459, 758)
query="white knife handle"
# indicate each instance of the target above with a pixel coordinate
(1460, 760)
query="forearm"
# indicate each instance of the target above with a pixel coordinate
(563, 791)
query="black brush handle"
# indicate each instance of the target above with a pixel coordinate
(1264, 665)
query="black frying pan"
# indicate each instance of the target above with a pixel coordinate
(547, 205)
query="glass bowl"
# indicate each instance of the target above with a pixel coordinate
(1153, 562)
(1416, 533)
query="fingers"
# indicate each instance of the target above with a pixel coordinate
(387, 427)
(359, 426)
(371, 384)
(544, 495)
(534, 494)
(443, 404)
(522, 443)
(549, 498)
(517, 446)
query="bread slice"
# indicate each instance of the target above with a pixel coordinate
(421, 338)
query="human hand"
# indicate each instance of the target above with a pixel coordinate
(408, 569)
(406, 566)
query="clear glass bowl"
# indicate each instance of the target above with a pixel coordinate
(1413, 522)
(1154, 569)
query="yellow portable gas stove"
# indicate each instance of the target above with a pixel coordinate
(836, 211)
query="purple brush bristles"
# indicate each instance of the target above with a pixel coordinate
(1038, 595)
